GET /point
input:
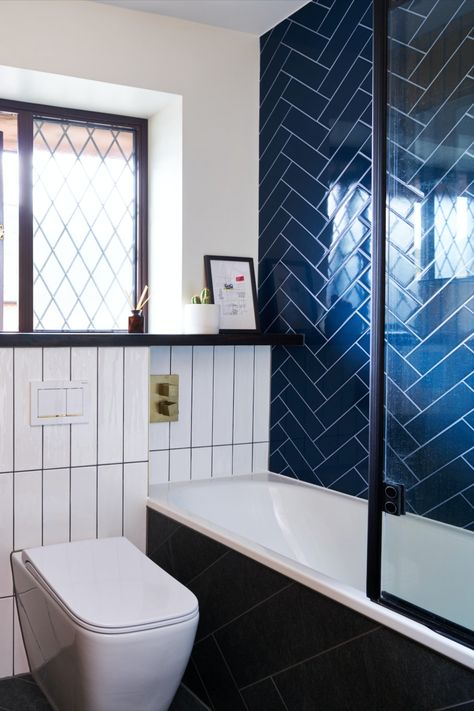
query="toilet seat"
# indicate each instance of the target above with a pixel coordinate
(108, 586)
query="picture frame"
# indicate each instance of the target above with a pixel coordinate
(231, 281)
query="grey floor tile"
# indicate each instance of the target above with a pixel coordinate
(23, 694)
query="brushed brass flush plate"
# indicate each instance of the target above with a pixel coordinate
(164, 398)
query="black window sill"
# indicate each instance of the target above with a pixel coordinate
(70, 339)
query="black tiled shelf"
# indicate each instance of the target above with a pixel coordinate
(58, 339)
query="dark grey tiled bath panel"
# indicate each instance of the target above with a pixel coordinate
(267, 643)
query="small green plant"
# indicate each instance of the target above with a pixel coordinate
(203, 298)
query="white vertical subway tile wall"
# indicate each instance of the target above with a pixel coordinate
(71, 482)
(224, 410)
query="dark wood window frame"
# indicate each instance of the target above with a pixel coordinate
(26, 113)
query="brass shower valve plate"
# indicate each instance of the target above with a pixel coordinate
(164, 398)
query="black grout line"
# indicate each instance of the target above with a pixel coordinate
(42, 459)
(233, 402)
(97, 445)
(91, 464)
(13, 485)
(123, 439)
(70, 456)
(191, 414)
(253, 403)
(212, 396)
(169, 423)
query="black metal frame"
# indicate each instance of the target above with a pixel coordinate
(26, 112)
(376, 391)
(208, 259)
(377, 344)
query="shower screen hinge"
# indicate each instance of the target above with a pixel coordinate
(393, 498)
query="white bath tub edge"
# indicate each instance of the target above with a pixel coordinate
(344, 594)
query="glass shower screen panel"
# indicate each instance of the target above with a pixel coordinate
(428, 553)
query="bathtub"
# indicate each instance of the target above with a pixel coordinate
(290, 527)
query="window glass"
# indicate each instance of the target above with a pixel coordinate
(84, 225)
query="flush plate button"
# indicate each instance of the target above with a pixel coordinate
(59, 402)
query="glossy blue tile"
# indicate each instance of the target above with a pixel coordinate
(304, 70)
(305, 41)
(341, 62)
(356, 78)
(445, 483)
(322, 281)
(272, 179)
(272, 69)
(442, 449)
(343, 429)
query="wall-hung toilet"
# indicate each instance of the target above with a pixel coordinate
(105, 629)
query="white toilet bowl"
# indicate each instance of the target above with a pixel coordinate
(105, 629)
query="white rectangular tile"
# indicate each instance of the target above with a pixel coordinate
(110, 405)
(135, 430)
(203, 368)
(28, 440)
(83, 503)
(56, 438)
(201, 463)
(160, 360)
(160, 364)
(28, 509)
(6, 533)
(55, 506)
(135, 488)
(223, 395)
(180, 464)
(260, 457)
(242, 459)
(261, 394)
(6, 636)
(159, 466)
(222, 460)
(243, 394)
(6, 409)
(109, 514)
(84, 437)
(20, 661)
(181, 364)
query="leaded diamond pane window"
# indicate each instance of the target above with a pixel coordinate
(73, 203)
(84, 225)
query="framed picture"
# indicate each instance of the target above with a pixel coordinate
(231, 281)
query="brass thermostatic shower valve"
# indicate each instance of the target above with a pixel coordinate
(164, 398)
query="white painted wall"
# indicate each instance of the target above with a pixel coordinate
(216, 72)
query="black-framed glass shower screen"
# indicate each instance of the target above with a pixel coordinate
(429, 313)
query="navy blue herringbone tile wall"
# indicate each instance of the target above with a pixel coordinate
(315, 248)
(430, 304)
(315, 129)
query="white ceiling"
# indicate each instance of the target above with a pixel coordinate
(253, 16)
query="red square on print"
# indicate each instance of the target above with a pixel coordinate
(240, 277)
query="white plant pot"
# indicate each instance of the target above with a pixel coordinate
(201, 318)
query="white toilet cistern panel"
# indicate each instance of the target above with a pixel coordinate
(59, 402)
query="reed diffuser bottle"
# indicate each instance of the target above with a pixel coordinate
(136, 321)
